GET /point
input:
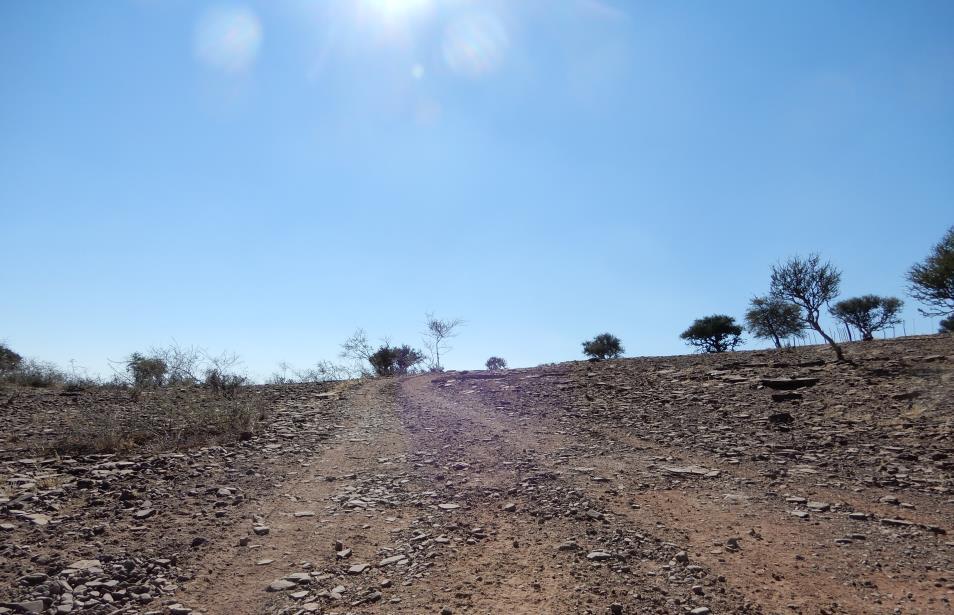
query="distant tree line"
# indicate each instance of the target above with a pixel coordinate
(800, 290)
(362, 358)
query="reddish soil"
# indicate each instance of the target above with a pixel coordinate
(653, 485)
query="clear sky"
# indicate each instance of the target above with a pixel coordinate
(264, 177)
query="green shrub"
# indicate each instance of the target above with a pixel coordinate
(716, 333)
(772, 318)
(932, 281)
(603, 346)
(495, 363)
(395, 360)
(868, 314)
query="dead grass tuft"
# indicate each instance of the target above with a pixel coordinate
(163, 420)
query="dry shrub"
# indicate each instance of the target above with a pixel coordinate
(163, 420)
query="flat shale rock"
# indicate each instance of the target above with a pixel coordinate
(786, 384)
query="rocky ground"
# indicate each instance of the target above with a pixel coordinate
(755, 482)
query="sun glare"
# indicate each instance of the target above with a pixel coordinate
(394, 10)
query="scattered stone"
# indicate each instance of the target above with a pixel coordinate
(693, 470)
(299, 578)
(387, 561)
(280, 585)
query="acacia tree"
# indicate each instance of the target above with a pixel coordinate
(496, 363)
(436, 334)
(809, 284)
(395, 360)
(772, 318)
(716, 333)
(603, 346)
(932, 281)
(869, 313)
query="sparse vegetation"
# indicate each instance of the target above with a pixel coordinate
(223, 383)
(868, 314)
(932, 281)
(9, 360)
(358, 351)
(164, 419)
(33, 373)
(216, 409)
(809, 284)
(716, 333)
(182, 366)
(774, 319)
(496, 363)
(436, 334)
(603, 346)
(323, 371)
(946, 325)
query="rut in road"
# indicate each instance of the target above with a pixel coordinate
(443, 492)
(447, 504)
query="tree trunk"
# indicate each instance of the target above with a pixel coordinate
(834, 345)
(778, 342)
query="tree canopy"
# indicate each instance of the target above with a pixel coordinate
(716, 333)
(868, 314)
(932, 281)
(809, 284)
(395, 360)
(775, 319)
(495, 363)
(603, 346)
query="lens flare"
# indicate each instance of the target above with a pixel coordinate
(393, 9)
(228, 39)
(475, 45)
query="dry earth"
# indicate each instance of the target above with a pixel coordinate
(657, 485)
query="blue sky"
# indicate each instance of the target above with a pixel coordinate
(265, 177)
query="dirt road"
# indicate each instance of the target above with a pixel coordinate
(666, 485)
(458, 492)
